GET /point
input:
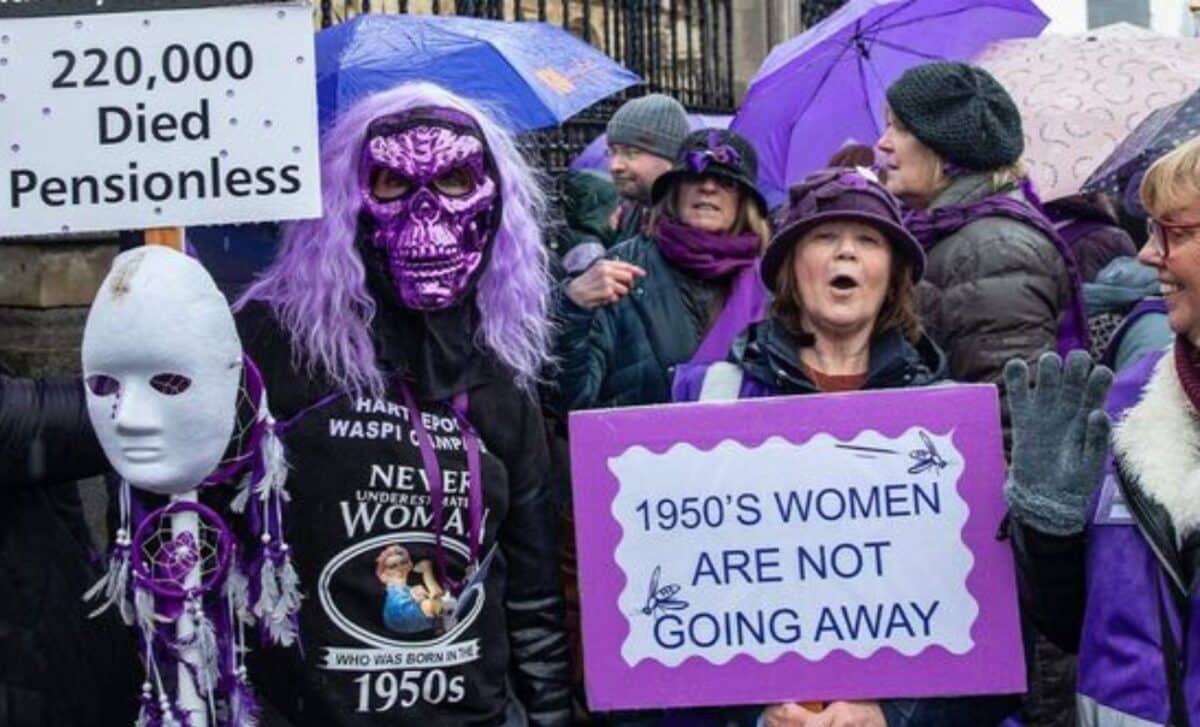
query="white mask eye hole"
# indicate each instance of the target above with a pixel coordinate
(103, 385)
(170, 384)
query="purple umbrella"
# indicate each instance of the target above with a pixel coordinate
(595, 155)
(826, 87)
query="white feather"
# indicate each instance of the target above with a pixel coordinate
(143, 602)
(1158, 439)
(268, 591)
(114, 584)
(237, 590)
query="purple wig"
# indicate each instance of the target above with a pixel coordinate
(317, 285)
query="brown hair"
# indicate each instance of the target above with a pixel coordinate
(899, 309)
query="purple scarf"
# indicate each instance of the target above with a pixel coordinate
(932, 226)
(705, 255)
(708, 255)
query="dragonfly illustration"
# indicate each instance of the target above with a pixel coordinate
(663, 598)
(926, 458)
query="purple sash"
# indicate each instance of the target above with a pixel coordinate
(747, 304)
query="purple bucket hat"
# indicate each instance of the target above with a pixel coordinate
(840, 194)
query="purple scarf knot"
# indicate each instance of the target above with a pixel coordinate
(723, 154)
(705, 255)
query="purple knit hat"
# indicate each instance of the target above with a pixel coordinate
(840, 194)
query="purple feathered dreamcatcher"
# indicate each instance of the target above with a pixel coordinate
(181, 576)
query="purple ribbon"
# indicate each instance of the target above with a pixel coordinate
(747, 304)
(698, 160)
(433, 473)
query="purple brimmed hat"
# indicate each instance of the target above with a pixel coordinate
(840, 194)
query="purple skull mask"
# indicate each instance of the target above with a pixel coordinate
(428, 184)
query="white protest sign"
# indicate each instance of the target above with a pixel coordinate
(157, 118)
(850, 535)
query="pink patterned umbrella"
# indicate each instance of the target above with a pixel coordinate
(1080, 95)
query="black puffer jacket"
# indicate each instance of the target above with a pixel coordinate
(56, 666)
(624, 354)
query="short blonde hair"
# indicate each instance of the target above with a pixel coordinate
(1173, 182)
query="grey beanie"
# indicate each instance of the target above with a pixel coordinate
(655, 123)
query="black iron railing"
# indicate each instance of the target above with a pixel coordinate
(680, 47)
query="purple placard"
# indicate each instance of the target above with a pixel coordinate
(688, 449)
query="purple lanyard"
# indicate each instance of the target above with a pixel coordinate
(433, 473)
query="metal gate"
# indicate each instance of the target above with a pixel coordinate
(681, 47)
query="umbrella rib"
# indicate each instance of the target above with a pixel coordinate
(882, 87)
(922, 18)
(802, 67)
(828, 72)
(862, 77)
(906, 49)
(888, 16)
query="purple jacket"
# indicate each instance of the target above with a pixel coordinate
(1136, 653)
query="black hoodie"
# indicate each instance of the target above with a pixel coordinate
(358, 486)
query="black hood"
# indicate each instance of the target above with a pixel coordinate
(436, 351)
(770, 353)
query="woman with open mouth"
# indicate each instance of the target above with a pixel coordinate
(843, 270)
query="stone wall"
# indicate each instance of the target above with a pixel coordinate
(45, 289)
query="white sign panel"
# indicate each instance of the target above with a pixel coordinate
(855, 532)
(157, 118)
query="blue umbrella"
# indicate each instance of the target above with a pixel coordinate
(529, 75)
(825, 88)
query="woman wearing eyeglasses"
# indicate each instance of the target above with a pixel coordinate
(1135, 617)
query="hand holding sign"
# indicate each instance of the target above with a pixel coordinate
(1060, 440)
(837, 714)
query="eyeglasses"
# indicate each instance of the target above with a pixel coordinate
(1165, 235)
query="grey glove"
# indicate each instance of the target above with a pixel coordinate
(1060, 440)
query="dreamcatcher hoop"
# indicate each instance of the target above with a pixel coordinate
(162, 559)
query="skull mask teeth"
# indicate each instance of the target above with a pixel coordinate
(433, 233)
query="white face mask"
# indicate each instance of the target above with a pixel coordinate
(162, 365)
